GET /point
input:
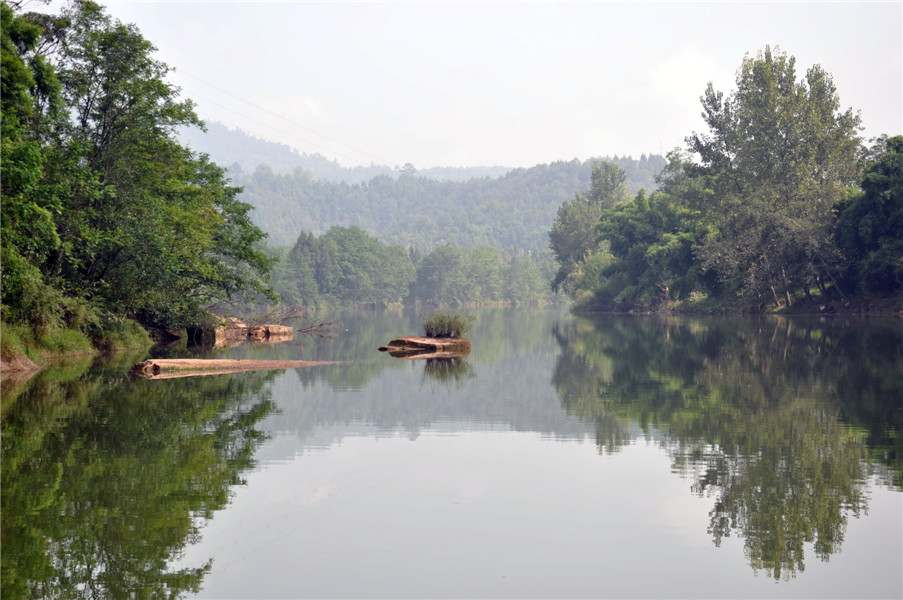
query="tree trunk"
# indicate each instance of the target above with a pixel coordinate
(786, 286)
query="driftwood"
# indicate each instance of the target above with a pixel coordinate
(188, 367)
(231, 331)
(424, 347)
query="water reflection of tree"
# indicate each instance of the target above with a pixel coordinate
(758, 412)
(104, 483)
(448, 370)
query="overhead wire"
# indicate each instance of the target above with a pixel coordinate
(287, 120)
(268, 126)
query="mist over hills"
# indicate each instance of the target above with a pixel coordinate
(422, 209)
(242, 153)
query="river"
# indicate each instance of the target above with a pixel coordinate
(566, 456)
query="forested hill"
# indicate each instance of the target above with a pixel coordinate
(242, 153)
(513, 212)
(423, 208)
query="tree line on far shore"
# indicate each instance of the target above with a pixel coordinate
(779, 201)
(108, 222)
(348, 266)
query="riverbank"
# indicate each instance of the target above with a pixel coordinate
(877, 306)
(24, 350)
(887, 306)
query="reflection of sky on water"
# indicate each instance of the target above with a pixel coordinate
(493, 513)
(379, 481)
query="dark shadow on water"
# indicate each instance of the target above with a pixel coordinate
(107, 478)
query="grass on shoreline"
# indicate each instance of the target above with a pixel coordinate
(40, 347)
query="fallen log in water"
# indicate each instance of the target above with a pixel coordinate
(425, 347)
(184, 367)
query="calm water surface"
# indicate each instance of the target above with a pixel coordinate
(565, 457)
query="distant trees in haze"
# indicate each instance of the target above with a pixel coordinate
(347, 266)
(511, 212)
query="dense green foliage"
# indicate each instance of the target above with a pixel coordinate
(346, 266)
(447, 325)
(761, 211)
(573, 237)
(513, 212)
(104, 215)
(869, 227)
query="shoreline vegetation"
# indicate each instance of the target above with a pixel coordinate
(778, 206)
(113, 233)
(23, 351)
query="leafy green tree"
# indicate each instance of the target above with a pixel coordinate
(573, 234)
(439, 275)
(367, 271)
(295, 277)
(345, 266)
(28, 231)
(524, 281)
(102, 207)
(652, 240)
(869, 227)
(778, 156)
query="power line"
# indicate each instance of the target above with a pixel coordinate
(279, 130)
(287, 120)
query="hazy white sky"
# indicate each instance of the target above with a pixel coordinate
(513, 84)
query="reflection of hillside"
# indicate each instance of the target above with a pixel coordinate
(503, 382)
(760, 413)
(105, 479)
(513, 393)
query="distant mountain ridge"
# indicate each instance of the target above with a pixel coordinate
(474, 206)
(242, 153)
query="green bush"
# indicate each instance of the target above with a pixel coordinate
(116, 334)
(25, 298)
(11, 343)
(444, 325)
(41, 344)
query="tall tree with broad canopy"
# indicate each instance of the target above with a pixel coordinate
(130, 223)
(778, 155)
